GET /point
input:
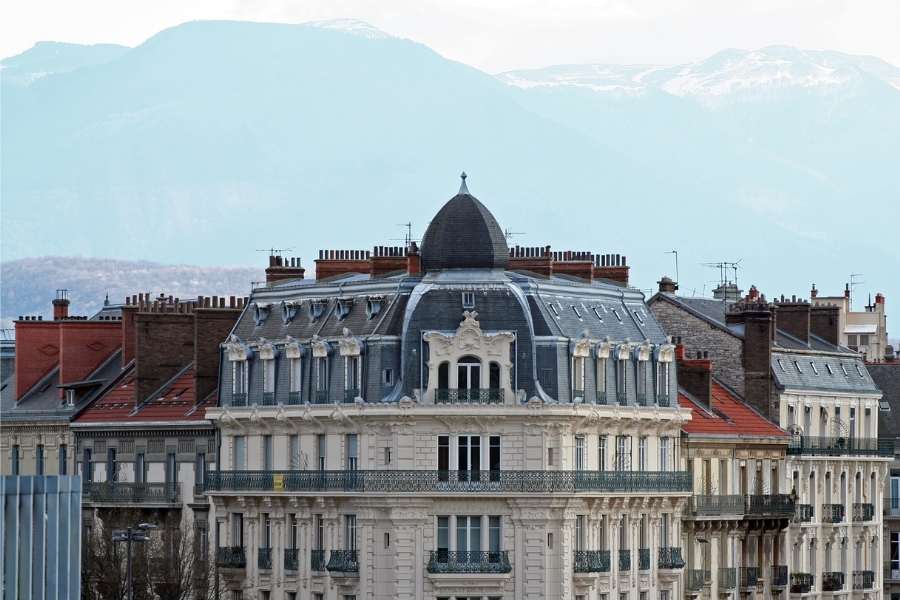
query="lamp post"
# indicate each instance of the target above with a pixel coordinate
(129, 535)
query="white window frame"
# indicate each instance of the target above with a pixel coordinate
(240, 380)
(268, 371)
(296, 375)
(579, 458)
(468, 300)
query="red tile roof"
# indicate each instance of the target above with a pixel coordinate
(729, 416)
(175, 402)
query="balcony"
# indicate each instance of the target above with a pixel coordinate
(320, 397)
(840, 446)
(264, 559)
(268, 399)
(749, 577)
(779, 576)
(804, 513)
(770, 505)
(317, 560)
(601, 398)
(863, 580)
(670, 558)
(468, 396)
(892, 507)
(712, 505)
(621, 398)
(695, 580)
(446, 561)
(727, 579)
(591, 561)
(832, 581)
(350, 395)
(664, 401)
(343, 561)
(624, 560)
(122, 492)
(863, 512)
(291, 559)
(239, 399)
(643, 559)
(293, 399)
(231, 557)
(802, 583)
(832, 513)
(641, 400)
(394, 481)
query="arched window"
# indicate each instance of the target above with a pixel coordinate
(468, 373)
(494, 376)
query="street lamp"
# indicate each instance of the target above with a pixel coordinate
(132, 534)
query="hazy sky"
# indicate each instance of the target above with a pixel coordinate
(495, 35)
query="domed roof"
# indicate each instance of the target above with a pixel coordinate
(464, 235)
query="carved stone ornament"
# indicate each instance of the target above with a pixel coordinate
(320, 348)
(349, 345)
(604, 348)
(292, 348)
(644, 351)
(666, 353)
(235, 349)
(469, 338)
(582, 347)
(623, 350)
(267, 350)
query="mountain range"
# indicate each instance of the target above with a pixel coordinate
(214, 139)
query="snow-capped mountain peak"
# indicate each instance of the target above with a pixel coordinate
(351, 26)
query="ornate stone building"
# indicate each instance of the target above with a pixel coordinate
(467, 421)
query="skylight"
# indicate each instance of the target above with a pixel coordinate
(828, 368)
(781, 365)
(552, 308)
(797, 365)
(813, 367)
(844, 369)
(597, 313)
(576, 311)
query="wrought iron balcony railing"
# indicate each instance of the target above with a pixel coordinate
(239, 399)
(446, 561)
(601, 398)
(863, 512)
(317, 560)
(892, 507)
(350, 395)
(231, 557)
(624, 560)
(804, 513)
(663, 400)
(779, 576)
(749, 577)
(832, 513)
(264, 558)
(670, 558)
(320, 397)
(863, 580)
(291, 559)
(293, 398)
(695, 579)
(641, 400)
(714, 505)
(621, 397)
(450, 481)
(268, 399)
(468, 396)
(727, 578)
(126, 492)
(343, 561)
(643, 559)
(802, 583)
(770, 505)
(840, 446)
(591, 561)
(832, 581)
(199, 490)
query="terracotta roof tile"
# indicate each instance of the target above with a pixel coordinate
(729, 416)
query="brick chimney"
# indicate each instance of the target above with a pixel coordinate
(612, 267)
(758, 318)
(387, 259)
(413, 260)
(61, 305)
(339, 262)
(283, 269)
(793, 317)
(211, 327)
(825, 322)
(574, 263)
(536, 259)
(667, 285)
(695, 376)
(164, 343)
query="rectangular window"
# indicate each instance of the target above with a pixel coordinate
(578, 376)
(621, 382)
(322, 374)
(321, 451)
(468, 533)
(468, 300)
(351, 377)
(293, 532)
(87, 466)
(39, 460)
(171, 468)
(112, 470)
(239, 382)
(579, 453)
(268, 369)
(387, 455)
(579, 532)
(267, 453)
(387, 377)
(642, 453)
(352, 442)
(140, 468)
(641, 375)
(350, 531)
(294, 451)
(664, 453)
(895, 551)
(443, 534)
(240, 453)
(443, 457)
(63, 459)
(319, 525)
(601, 380)
(623, 452)
(203, 542)
(15, 460)
(494, 457)
(494, 533)
(468, 454)
(266, 539)
(601, 453)
(237, 529)
(662, 383)
(296, 382)
(551, 456)
(664, 530)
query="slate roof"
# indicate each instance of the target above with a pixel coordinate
(464, 235)
(794, 372)
(887, 377)
(728, 416)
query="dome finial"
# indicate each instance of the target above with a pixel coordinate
(462, 186)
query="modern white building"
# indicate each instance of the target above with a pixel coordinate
(455, 429)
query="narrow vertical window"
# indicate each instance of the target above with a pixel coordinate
(39, 460)
(443, 457)
(87, 466)
(494, 457)
(623, 453)
(112, 471)
(642, 453)
(140, 468)
(239, 460)
(268, 369)
(352, 442)
(321, 450)
(267, 453)
(63, 459)
(579, 453)
(350, 532)
(601, 381)
(578, 377)
(321, 380)
(621, 382)
(601, 453)
(664, 453)
(294, 451)
(641, 381)
(579, 533)
(662, 384)
(296, 381)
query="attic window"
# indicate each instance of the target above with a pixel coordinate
(576, 311)
(343, 307)
(260, 312)
(317, 309)
(373, 306)
(844, 370)
(640, 316)
(468, 300)
(781, 365)
(797, 365)
(553, 309)
(859, 371)
(617, 315)
(597, 313)
(884, 406)
(288, 311)
(828, 368)
(812, 365)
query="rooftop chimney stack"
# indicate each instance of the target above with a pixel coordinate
(695, 376)
(283, 269)
(61, 305)
(667, 285)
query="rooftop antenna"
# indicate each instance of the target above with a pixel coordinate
(723, 267)
(675, 252)
(854, 281)
(408, 237)
(275, 251)
(508, 234)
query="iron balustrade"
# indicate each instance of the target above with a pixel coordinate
(663, 400)
(643, 559)
(641, 400)
(840, 446)
(127, 492)
(264, 558)
(291, 559)
(749, 577)
(317, 560)
(832, 581)
(713, 505)
(779, 575)
(832, 513)
(770, 505)
(892, 507)
(320, 397)
(414, 481)
(199, 489)
(231, 557)
(804, 513)
(624, 560)
(863, 580)
(670, 558)
(343, 561)
(695, 579)
(727, 578)
(802, 583)
(268, 399)
(863, 511)
(601, 398)
(468, 396)
(621, 398)
(239, 399)
(591, 561)
(458, 561)
(293, 398)
(350, 395)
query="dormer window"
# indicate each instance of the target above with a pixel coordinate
(260, 312)
(844, 370)
(859, 371)
(640, 316)
(373, 306)
(70, 397)
(812, 366)
(596, 312)
(553, 309)
(781, 366)
(343, 307)
(468, 300)
(828, 368)
(317, 309)
(797, 366)
(288, 311)
(576, 311)
(617, 315)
